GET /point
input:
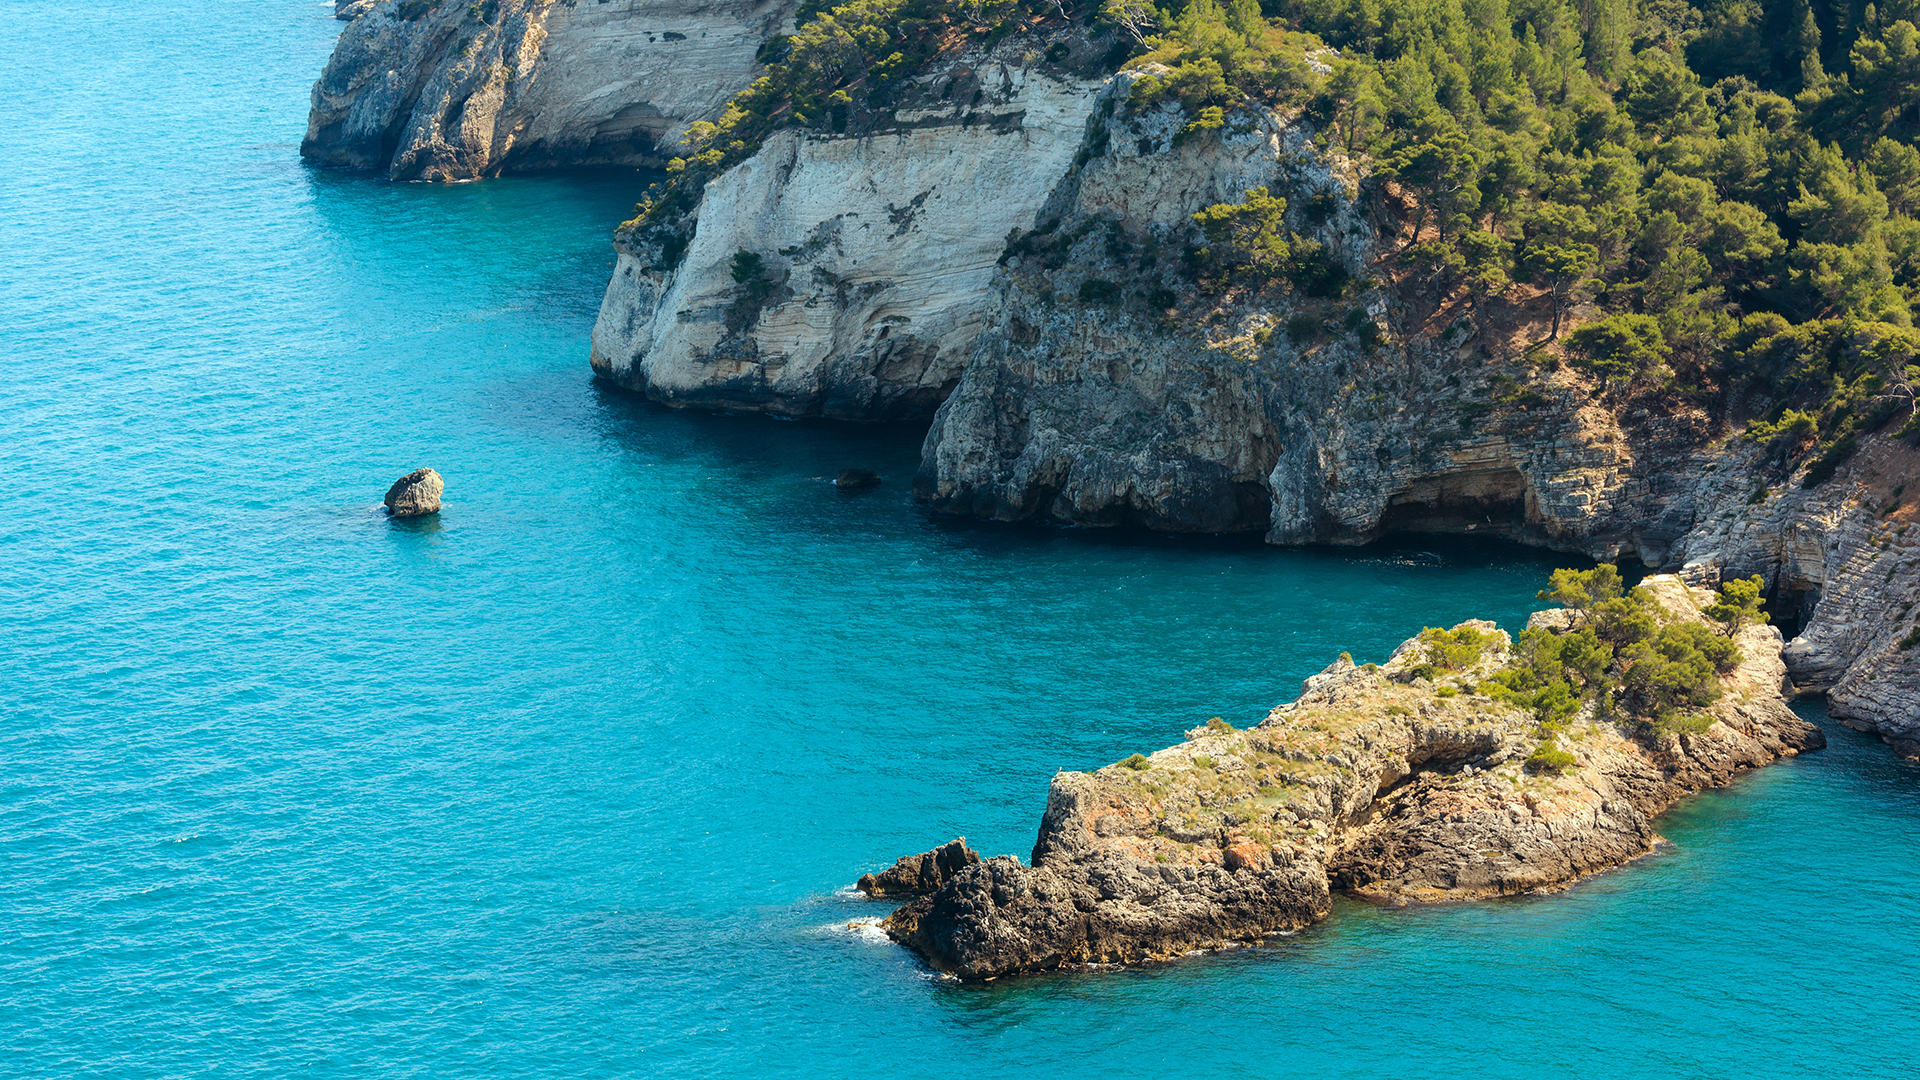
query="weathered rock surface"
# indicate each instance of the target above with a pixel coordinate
(1374, 780)
(1108, 386)
(415, 494)
(918, 875)
(454, 89)
(873, 251)
(1844, 559)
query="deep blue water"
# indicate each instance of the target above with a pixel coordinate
(571, 782)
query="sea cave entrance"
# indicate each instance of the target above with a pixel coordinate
(1486, 502)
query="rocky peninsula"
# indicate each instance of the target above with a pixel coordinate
(1427, 778)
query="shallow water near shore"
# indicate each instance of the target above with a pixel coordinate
(571, 780)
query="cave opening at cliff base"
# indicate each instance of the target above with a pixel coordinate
(1485, 502)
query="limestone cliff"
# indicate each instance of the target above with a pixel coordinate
(453, 89)
(1842, 559)
(870, 251)
(1108, 385)
(1382, 781)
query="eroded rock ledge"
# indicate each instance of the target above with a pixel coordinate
(1376, 780)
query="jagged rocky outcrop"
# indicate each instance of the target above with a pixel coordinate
(919, 875)
(869, 250)
(459, 89)
(1109, 386)
(1375, 780)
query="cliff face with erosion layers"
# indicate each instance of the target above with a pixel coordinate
(1407, 781)
(866, 254)
(454, 90)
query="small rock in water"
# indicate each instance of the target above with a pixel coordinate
(415, 494)
(856, 479)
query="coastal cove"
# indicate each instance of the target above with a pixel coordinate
(574, 779)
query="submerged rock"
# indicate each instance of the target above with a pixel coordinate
(1378, 780)
(856, 479)
(918, 875)
(415, 494)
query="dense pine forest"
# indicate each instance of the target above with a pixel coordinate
(1722, 196)
(1734, 187)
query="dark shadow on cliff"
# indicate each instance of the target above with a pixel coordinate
(1404, 550)
(783, 466)
(762, 456)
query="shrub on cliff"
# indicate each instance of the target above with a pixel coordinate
(1622, 347)
(1738, 604)
(1581, 590)
(1549, 758)
(1623, 648)
(750, 270)
(1456, 649)
(1249, 236)
(1220, 56)
(1678, 669)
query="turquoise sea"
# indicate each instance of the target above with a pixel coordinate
(572, 781)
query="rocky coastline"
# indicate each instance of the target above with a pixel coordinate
(1000, 251)
(1393, 782)
(445, 90)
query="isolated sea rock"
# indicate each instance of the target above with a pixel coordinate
(917, 875)
(856, 479)
(459, 89)
(1377, 780)
(415, 494)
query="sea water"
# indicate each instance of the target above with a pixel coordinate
(572, 781)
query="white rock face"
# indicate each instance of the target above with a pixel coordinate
(876, 252)
(455, 90)
(1109, 386)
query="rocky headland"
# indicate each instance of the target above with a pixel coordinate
(1004, 243)
(456, 90)
(1406, 781)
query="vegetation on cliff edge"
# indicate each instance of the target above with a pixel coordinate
(1725, 193)
(1733, 185)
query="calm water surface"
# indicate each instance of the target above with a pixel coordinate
(571, 781)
